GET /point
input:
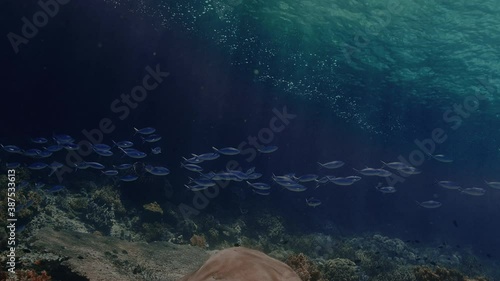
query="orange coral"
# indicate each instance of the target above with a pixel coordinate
(198, 240)
(306, 270)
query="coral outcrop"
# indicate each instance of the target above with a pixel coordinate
(242, 264)
(424, 273)
(153, 207)
(304, 267)
(198, 241)
(341, 269)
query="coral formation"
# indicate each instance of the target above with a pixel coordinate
(424, 273)
(27, 275)
(100, 216)
(153, 207)
(340, 269)
(272, 225)
(109, 196)
(306, 269)
(198, 241)
(155, 232)
(242, 264)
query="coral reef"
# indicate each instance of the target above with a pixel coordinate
(153, 207)
(100, 216)
(155, 231)
(242, 264)
(198, 241)
(108, 195)
(306, 269)
(402, 273)
(273, 226)
(27, 275)
(424, 273)
(103, 258)
(341, 269)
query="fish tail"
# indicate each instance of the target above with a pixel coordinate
(418, 203)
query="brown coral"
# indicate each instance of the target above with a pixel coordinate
(306, 269)
(242, 264)
(198, 240)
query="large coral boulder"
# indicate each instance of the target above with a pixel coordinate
(242, 264)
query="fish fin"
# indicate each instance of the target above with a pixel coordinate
(215, 149)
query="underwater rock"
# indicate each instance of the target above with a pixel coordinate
(242, 264)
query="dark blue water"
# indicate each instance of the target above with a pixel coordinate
(67, 77)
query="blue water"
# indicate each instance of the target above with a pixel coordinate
(232, 64)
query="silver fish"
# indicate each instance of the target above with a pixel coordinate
(474, 191)
(332, 164)
(449, 184)
(493, 184)
(431, 204)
